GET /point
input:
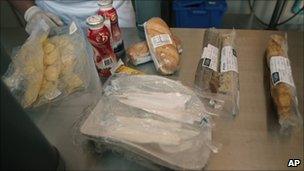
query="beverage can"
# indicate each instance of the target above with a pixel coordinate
(99, 37)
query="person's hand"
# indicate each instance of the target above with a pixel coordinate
(34, 14)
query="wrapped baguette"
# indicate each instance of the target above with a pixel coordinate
(229, 78)
(207, 72)
(138, 53)
(282, 88)
(162, 48)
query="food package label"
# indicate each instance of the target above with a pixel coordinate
(53, 94)
(143, 59)
(161, 40)
(72, 28)
(210, 57)
(280, 70)
(228, 59)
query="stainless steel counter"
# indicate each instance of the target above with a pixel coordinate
(251, 141)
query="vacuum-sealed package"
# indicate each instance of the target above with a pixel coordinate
(153, 117)
(282, 87)
(207, 76)
(49, 68)
(162, 48)
(229, 77)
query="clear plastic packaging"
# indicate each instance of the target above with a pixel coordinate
(139, 53)
(282, 87)
(207, 76)
(47, 69)
(161, 45)
(153, 117)
(229, 77)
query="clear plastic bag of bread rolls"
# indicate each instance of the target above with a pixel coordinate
(282, 87)
(50, 68)
(229, 85)
(25, 73)
(162, 46)
(153, 117)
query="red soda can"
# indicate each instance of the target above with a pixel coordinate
(99, 36)
(109, 12)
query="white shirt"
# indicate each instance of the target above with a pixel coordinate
(81, 9)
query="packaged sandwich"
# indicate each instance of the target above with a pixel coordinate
(282, 87)
(162, 48)
(139, 53)
(229, 77)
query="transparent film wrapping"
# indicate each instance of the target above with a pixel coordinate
(162, 47)
(229, 77)
(154, 117)
(207, 76)
(50, 68)
(282, 87)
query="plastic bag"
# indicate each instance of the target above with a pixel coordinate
(65, 66)
(229, 77)
(156, 131)
(282, 87)
(25, 74)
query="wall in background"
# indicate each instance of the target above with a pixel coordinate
(264, 9)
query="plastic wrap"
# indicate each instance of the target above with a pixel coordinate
(138, 53)
(207, 76)
(207, 73)
(156, 118)
(162, 48)
(49, 69)
(282, 87)
(229, 78)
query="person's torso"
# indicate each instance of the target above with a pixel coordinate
(81, 9)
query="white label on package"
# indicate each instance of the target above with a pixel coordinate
(72, 28)
(210, 57)
(280, 70)
(228, 59)
(52, 94)
(161, 40)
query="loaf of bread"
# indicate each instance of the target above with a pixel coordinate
(283, 94)
(162, 48)
(207, 78)
(139, 53)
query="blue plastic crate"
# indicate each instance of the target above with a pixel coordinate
(199, 13)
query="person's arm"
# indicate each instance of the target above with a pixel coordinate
(22, 5)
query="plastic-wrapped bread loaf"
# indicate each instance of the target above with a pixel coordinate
(282, 88)
(162, 48)
(229, 78)
(139, 53)
(207, 75)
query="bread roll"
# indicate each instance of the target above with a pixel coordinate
(162, 48)
(282, 93)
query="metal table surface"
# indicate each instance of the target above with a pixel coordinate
(250, 141)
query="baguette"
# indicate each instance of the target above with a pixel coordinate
(282, 93)
(162, 48)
